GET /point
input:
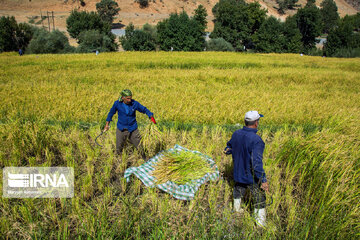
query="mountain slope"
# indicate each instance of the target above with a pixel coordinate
(25, 10)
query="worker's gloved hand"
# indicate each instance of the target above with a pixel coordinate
(227, 150)
(153, 120)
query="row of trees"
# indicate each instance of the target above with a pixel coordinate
(241, 26)
(238, 26)
(92, 30)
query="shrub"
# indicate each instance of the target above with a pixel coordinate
(80, 21)
(138, 40)
(93, 40)
(219, 44)
(49, 42)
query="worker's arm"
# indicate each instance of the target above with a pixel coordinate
(257, 157)
(146, 111)
(228, 148)
(109, 117)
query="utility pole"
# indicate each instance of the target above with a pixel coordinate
(53, 20)
(47, 13)
(42, 24)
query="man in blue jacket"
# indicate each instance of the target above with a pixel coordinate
(127, 128)
(247, 150)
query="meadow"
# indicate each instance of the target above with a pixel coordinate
(54, 106)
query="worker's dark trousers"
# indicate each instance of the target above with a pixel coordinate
(124, 135)
(252, 192)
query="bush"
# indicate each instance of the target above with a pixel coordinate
(107, 9)
(93, 40)
(81, 21)
(49, 42)
(179, 32)
(14, 36)
(143, 3)
(347, 53)
(138, 40)
(219, 44)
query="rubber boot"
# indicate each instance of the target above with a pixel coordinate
(237, 206)
(260, 216)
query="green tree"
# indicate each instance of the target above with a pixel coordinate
(80, 21)
(292, 35)
(285, 5)
(49, 42)
(341, 38)
(107, 9)
(219, 44)
(270, 37)
(309, 23)
(94, 40)
(138, 40)
(200, 16)
(8, 27)
(236, 21)
(14, 36)
(329, 15)
(180, 33)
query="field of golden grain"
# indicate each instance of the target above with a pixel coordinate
(54, 106)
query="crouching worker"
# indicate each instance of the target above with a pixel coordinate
(127, 128)
(247, 150)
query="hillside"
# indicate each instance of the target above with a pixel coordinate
(31, 10)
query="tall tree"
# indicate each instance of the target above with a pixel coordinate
(8, 27)
(200, 16)
(269, 37)
(14, 36)
(235, 21)
(292, 35)
(107, 9)
(180, 33)
(329, 15)
(79, 21)
(309, 23)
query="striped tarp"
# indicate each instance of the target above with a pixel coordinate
(182, 192)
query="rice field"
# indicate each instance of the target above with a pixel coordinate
(54, 106)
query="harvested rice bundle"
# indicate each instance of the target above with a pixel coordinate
(181, 167)
(152, 140)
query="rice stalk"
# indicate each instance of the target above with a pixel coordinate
(180, 167)
(152, 140)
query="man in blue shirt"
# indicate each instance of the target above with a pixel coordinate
(247, 150)
(127, 128)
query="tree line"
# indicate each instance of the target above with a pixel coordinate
(238, 26)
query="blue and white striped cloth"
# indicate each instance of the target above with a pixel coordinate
(182, 192)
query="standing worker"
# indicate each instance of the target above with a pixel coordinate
(247, 150)
(127, 127)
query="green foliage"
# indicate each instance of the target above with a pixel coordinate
(180, 33)
(270, 37)
(93, 40)
(107, 9)
(309, 23)
(138, 40)
(329, 15)
(292, 35)
(8, 27)
(200, 16)
(342, 39)
(79, 21)
(49, 42)
(24, 34)
(14, 36)
(143, 3)
(151, 29)
(285, 5)
(236, 21)
(353, 20)
(219, 44)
